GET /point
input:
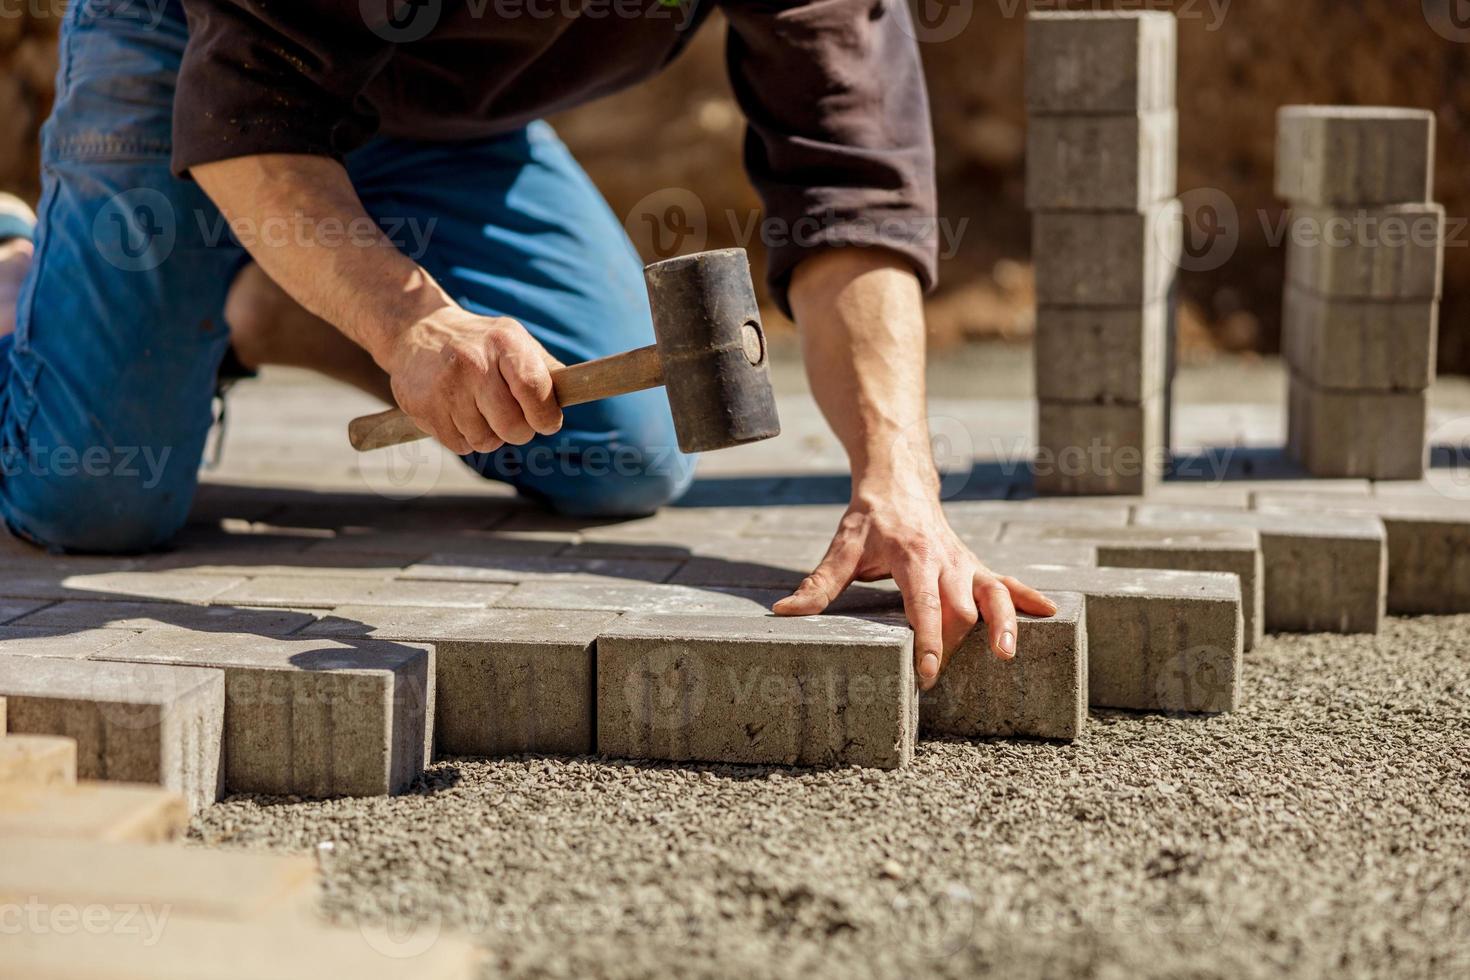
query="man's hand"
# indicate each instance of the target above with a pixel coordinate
(946, 589)
(474, 382)
(862, 329)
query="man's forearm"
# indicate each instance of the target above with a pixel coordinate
(862, 329)
(307, 229)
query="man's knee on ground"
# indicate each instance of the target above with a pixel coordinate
(94, 516)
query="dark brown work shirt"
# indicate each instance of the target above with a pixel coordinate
(838, 144)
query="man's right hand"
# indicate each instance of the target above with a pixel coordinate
(473, 382)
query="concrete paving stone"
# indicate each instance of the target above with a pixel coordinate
(1041, 693)
(1350, 155)
(66, 642)
(1101, 163)
(26, 583)
(162, 615)
(507, 680)
(1380, 435)
(192, 881)
(46, 760)
(411, 545)
(309, 717)
(1100, 62)
(821, 522)
(466, 567)
(132, 722)
(1235, 550)
(1096, 259)
(1156, 640)
(1094, 510)
(13, 609)
(1099, 449)
(1358, 344)
(1323, 572)
(643, 597)
(240, 564)
(326, 593)
(1393, 252)
(814, 691)
(194, 948)
(1102, 355)
(1428, 544)
(89, 810)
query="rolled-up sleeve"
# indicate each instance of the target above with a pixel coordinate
(839, 145)
(275, 76)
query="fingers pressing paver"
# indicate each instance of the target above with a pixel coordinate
(46, 760)
(804, 691)
(1156, 640)
(1323, 573)
(91, 811)
(312, 718)
(136, 723)
(1041, 693)
(1428, 544)
(507, 680)
(1227, 549)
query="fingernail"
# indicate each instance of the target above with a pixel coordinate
(929, 666)
(1008, 643)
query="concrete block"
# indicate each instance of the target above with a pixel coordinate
(190, 881)
(1156, 640)
(1393, 252)
(64, 642)
(821, 521)
(1360, 344)
(643, 597)
(1380, 435)
(1428, 544)
(13, 609)
(1101, 163)
(1094, 512)
(327, 593)
(1100, 62)
(1323, 572)
(194, 948)
(1099, 449)
(1042, 693)
(412, 545)
(1095, 259)
(91, 811)
(1351, 155)
(46, 760)
(314, 718)
(1236, 551)
(513, 569)
(238, 564)
(1102, 355)
(507, 680)
(134, 723)
(35, 582)
(166, 615)
(812, 691)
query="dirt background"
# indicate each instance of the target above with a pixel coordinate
(676, 143)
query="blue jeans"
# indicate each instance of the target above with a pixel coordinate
(106, 386)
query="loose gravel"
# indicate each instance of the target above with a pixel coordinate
(1322, 830)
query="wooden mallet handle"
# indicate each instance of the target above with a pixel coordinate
(591, 381)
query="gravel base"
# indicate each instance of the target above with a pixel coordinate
(1322, 830)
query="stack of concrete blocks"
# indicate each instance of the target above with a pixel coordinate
(1364, 267)
(1107, 233)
